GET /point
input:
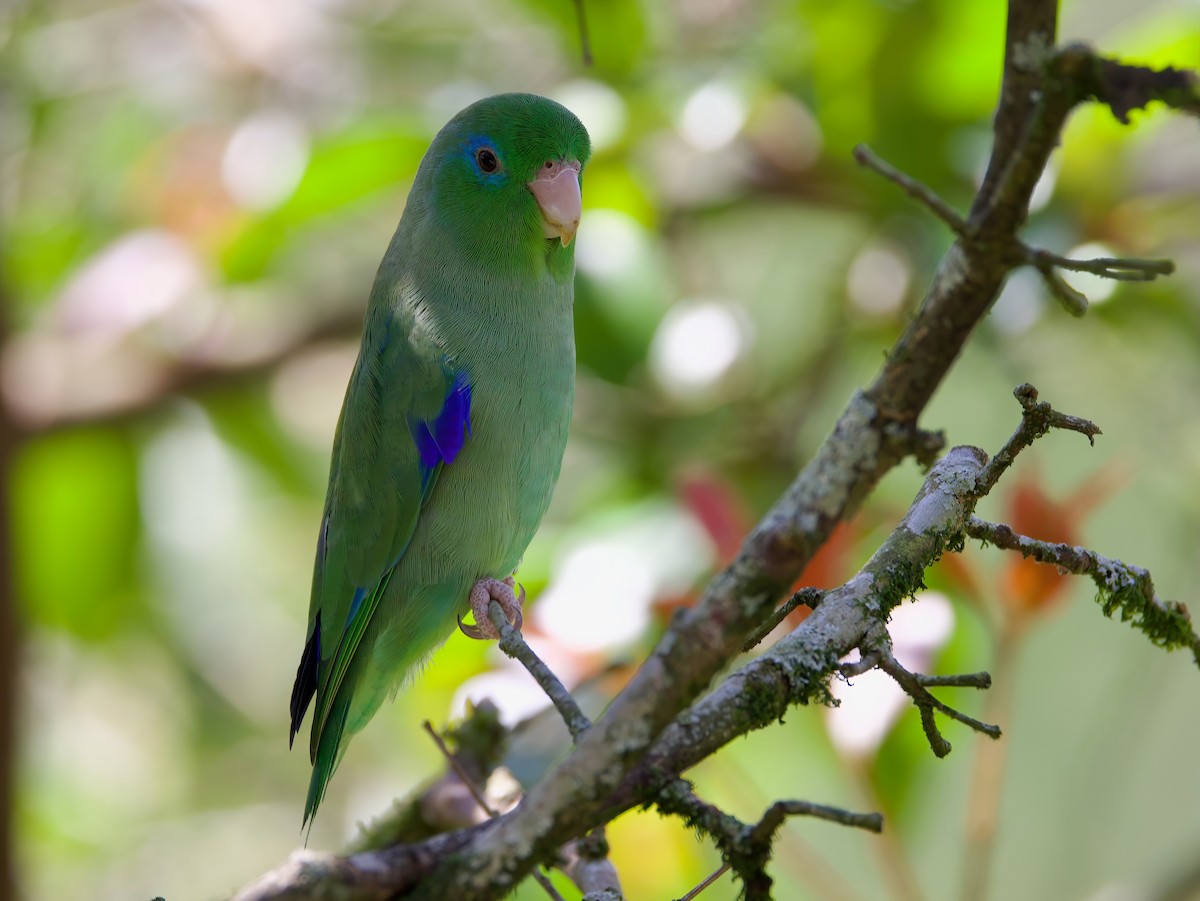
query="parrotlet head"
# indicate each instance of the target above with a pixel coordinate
(505, 174)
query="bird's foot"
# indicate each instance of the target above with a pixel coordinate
(482, 594)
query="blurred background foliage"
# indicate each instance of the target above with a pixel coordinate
(195, 194)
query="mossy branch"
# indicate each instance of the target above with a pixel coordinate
(1124, 590)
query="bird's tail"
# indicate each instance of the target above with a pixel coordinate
(327, 751)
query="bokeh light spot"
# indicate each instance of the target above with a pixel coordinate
(712, 116)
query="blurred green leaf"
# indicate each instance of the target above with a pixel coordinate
(75, 500)
(342, 171)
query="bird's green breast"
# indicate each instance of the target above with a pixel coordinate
(512, 335)
(516, 344)
(522, 375)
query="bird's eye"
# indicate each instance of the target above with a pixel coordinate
(487, 160)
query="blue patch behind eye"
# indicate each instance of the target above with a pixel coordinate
(473, 145)
(441, 440)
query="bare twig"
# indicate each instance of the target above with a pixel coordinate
(462, 774)
(587, 862)
(1125, 88)
(747, 848)
(1121, 269)
(708, 880)
(795, 669)
(979, 680)
(913, 188)
(754, 843)
(513, 644)
(1036, 420)
(538, 876)
(585, 45)
(809, 597)
(864, 664)
(1070, 299)
(914, 685)
(445, 804)
(780, 810)
(1029, 34)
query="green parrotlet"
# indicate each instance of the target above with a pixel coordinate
(452, 431)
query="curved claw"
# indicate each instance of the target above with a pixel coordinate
(471, 631)
(516, 623)
(483, 594)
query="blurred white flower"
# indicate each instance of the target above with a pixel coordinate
(610, 243)
(135, 279)
(599, 107)
(712, 116)
(697, 342)
(602, 586)
(265, 159)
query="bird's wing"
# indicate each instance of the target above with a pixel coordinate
(406, 416)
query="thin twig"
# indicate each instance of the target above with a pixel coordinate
(810, 867)
(1074, 301)
(866, 157)
(462, 774)
(1036, 420)
(591, 865)
(1125, 269)
(587, 858)
(513, 644)
(961, 680)
(747, 848)
(915, 686)
(585, 44)
(547, 886)
(781, 810)
(753, 847)
(1130, 269)
(721, 871)
(538, 876)
(809, 597)
(870, 661)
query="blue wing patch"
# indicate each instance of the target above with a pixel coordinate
(441, 440)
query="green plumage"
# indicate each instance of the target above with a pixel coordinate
(471, 296)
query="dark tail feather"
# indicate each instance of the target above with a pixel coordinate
(306, 678)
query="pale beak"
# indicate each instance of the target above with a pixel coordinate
(556, 189)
